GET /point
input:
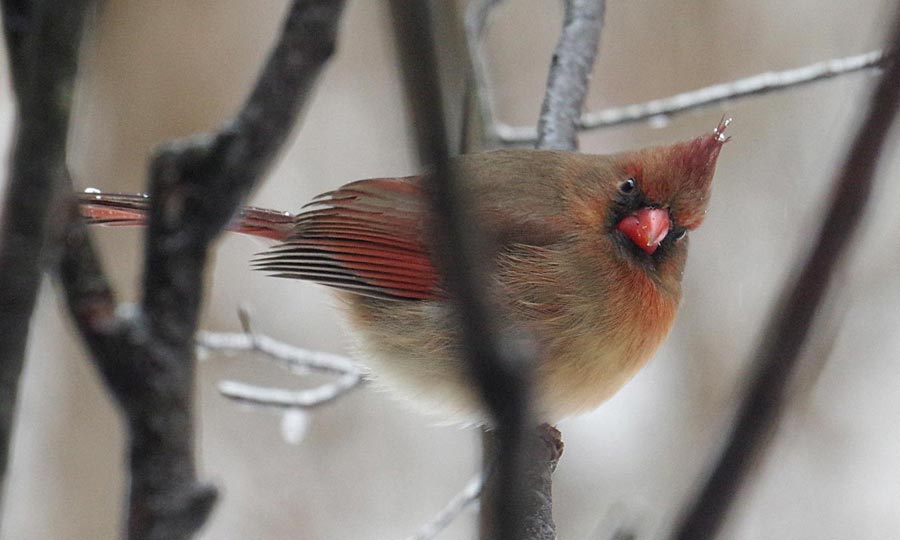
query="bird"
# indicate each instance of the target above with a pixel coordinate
(586, 256)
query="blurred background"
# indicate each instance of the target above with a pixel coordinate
(370, 469)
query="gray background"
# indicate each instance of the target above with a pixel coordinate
(368, 468)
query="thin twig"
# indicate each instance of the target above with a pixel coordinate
(500, 371)
(775, 359)
(146, 357)
(477, 15)
(755, 85)
(570, 70)
(292, 357)
(42, 42)
(457, 505)
(279, 398)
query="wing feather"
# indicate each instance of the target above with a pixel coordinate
(367, 237)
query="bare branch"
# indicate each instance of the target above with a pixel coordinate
(543, 449)
(499, 370)
(19, 22)
(292, 357)
(457, 505)
(478, 12)
(146, 357)
(42, 41)
(756, 85)
(288, 356)
(567, 83)
(775, 359)
(289, 399)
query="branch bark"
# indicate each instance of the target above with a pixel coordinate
(147, 357)
(573, 62)
(42, 42)
(755, 85)
(499, 133)
(567, 83)
(777, 356)
(497, 366)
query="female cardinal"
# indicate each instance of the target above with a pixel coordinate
(587, 258)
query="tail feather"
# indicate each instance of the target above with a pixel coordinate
(131, 210)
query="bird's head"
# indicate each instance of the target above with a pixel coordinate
(663, 191)
(643, 203)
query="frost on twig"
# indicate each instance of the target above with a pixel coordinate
(455, 507)
(291, 357)
(294, 404)
(298, 361)
(755, 85)
(762, 83)
(570, 72)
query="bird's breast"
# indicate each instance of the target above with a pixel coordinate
(603, 346)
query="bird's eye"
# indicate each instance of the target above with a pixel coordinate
(627, 186)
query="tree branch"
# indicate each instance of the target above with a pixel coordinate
(478, 11)
(42, 41)
(543, 449)
(295, 359)
(778, 353)
(146, 357)
(756, 85)
(567, 83)
(457, 505)
(279, 398)
(567, 87)
(289, 356)
(498, 366)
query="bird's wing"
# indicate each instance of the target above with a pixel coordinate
(373, 237)
(367, 237)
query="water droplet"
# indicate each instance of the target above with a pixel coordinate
(92, 190)
(659, 121)
(294, 424)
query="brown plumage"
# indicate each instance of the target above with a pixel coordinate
(587, 254)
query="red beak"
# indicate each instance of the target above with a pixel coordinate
(647, 228)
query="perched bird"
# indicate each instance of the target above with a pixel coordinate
(587, 258)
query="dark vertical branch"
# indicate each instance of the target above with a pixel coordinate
(146, 358)
(496, 366)
(567, 84)
(777, 355)
(573, 61)
(18, 22)
(42, 40)
(543, 448)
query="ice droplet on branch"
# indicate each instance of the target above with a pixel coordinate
(294, 424)
(659, 121)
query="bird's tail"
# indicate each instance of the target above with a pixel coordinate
(131, 210)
